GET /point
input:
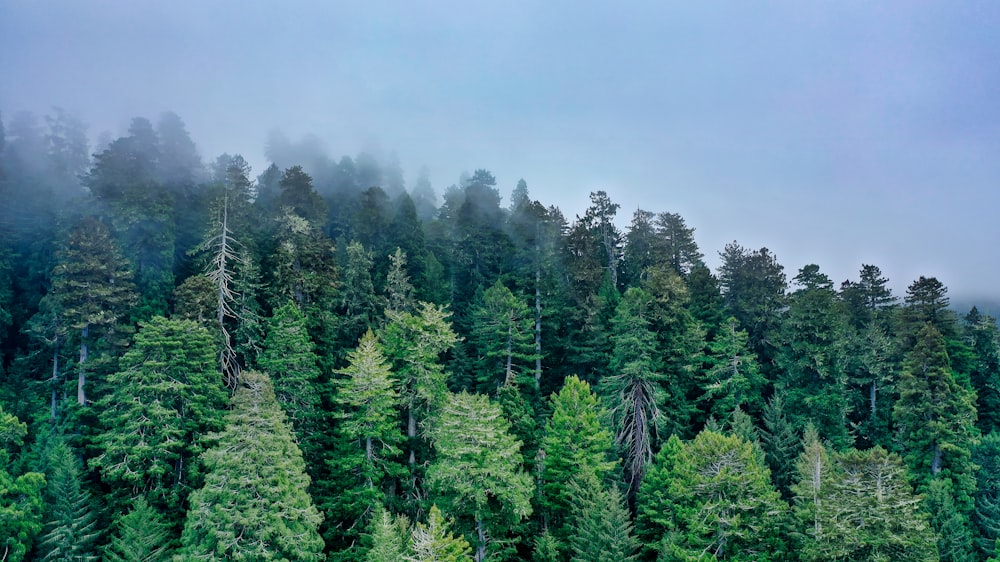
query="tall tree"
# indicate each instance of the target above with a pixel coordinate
(753, 290)
(140, 536)
(71, 531)
(20, 495)
(265, 514)
(575, 442)
(676, 243)
(601, 528)
(732, 375)
(633, 391)
(435, 542)
(164, 398)
(503, 333)
(477, 474)
(92, 285)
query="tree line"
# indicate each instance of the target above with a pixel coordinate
(318, 363)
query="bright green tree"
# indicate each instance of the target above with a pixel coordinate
(140, 536)
(265, 514)
(166, 396)
(732, 375)
(389, 537)
(369, 437)
(712, 498)
(575, 442)
(477, 474)
(20, 496)
(434, 542)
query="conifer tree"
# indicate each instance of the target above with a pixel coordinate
(732, 377)
(71, 531)
(21, 505)
(503, 333)
(575, 442)
(92, 284)
(600, 528)
(166, 396)
(140, 536)
(477, 473)
(398, 289)
(780, 443)
(435, 542)
(986, 455)
(389, 537)
(265, 514)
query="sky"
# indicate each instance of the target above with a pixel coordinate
(836, 133)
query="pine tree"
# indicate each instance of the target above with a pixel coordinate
(435, 542)
(140, 536)
(71, 531)
(477, 473)
(265, 514)
(575, 442)
(166, 396)
(600, 528)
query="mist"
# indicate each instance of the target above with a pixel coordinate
(839, 135)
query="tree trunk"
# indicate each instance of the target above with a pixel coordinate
(55, 379)
(538, 329)
(411, 434)
(936, 461)
(871, 399)
(81, 394)
(481, 546)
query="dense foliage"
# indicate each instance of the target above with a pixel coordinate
(321, 364)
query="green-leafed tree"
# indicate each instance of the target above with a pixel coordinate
(675, 244)
(633, 390)
(434, 542)
(711, 498)
(398, 288)
(368, 438)
(478, 474)
(298, 196)
(732, 376)
(360, 306)
(20, 496)
(92, 285)
(983, 337)
(503, 335)
(389, 537)
(936, 417)
(575, 442)
(811, 358)
(780, 442)
(986, 455)
(753, 290)
(265, 514)
(289, 359)
(140, 536)
(601, 526)
(166, 396)
(71, 531)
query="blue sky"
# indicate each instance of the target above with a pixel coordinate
(838, 133)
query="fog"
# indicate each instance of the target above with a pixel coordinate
(834, 133)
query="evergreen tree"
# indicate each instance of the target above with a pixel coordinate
(753, 290)
(986, 455)
(780, 443)
(359, 305)
(435, 542)
(398, 289)
(711, 497)
(601, 528)
(983, 338)
(299, 197)
(140, 536)
(503, 333)
(20, 495)
(633, 392)
(389, 537)
(71, 531)
(369, 436)
(477, 473)
(265, 514)
(732, 377)
(166, 396)
(575, 443)
(676, 244)
(289, 359)
(638, 255)
(92, 285)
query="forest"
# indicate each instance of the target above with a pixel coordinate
(199, 361)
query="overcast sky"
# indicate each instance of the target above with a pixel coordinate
(838, 133)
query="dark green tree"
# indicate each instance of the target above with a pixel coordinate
(71, 531)
(140, 536)
(675, 244)
(299, 197)
(601, 526)
(732, 376)
(503, 335)
(986, 455)
(753, 290)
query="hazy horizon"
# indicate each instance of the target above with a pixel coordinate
(834, 134)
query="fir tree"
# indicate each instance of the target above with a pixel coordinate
(71, 531)
(389, 537)
(140, 536)
(435, 542)
(600, 528)
(265, 514)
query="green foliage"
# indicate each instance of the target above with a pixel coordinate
(858, 505)
(986, 455)
(71, 531)
(298, 196)
(575, 443)
(434, 542)
(140, 536)
(633, 390)
(389, 537)
(731, 377)
(20, 495)
(265, 514)
(780, 443)
(600, 528)
(503, 335)
(166, 396)
(713, 497)
(477, 474)
(289, 359)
